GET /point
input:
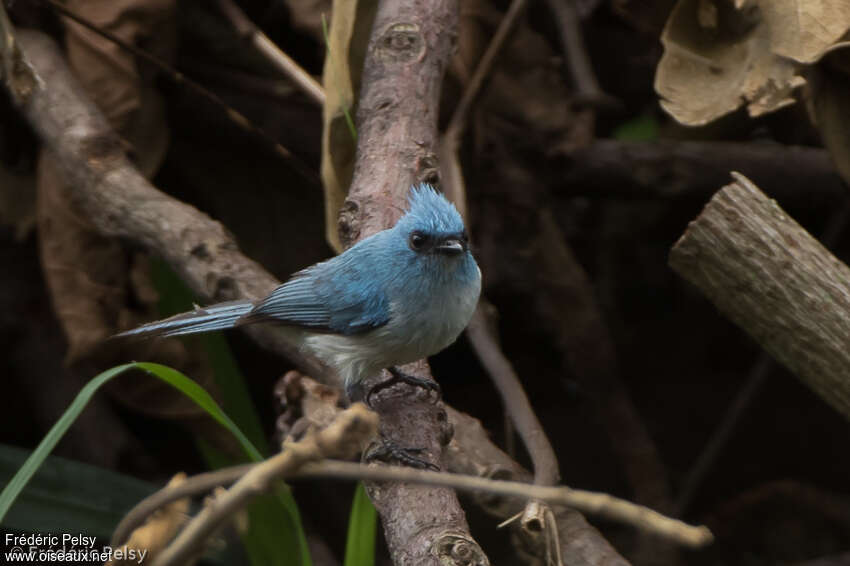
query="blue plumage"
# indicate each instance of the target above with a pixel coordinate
(400, 295)
(338, 295)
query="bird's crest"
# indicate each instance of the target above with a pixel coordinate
(430, 211)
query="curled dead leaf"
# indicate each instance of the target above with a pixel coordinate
(803, 30)
(347, 39)
(716, 60)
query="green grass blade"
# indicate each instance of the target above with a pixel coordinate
(168, 375)
(203, 399)
(276, 535)
(66, 496)
(174, 378)
(22, 477)
(362, 526)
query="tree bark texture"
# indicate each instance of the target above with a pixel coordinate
(410, 46)
(774, 280)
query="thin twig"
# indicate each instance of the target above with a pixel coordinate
(460, 116)
(201, 483)
(567, 22)
(350, 429)
(513, 395)
(239, 119)
(452, 174)
(249, 31)
(599, 504)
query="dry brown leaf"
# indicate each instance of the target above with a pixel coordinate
(121, 86)
(350, 25)
(97, 287)
(85, 272)
(804, 29)
(92, 281)
(309, 405)
(747, 53)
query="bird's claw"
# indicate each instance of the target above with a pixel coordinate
(399, 376)
(389, 451)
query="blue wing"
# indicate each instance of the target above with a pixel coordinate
(339, 295)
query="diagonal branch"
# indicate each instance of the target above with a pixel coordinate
(119, 201)
(277, 57)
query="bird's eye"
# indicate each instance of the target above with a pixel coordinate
(417, 240)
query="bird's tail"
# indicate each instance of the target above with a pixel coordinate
(213, 317)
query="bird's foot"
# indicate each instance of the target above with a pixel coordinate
(388, 451)
(399, 376)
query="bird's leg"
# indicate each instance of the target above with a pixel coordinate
(399, 376)
(388, 451)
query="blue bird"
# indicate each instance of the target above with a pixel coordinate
(395, 297)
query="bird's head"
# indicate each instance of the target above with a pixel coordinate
(432, 225)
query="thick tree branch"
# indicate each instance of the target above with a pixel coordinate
(773, 279)
(120, 202)
(694, 169)
(410, 46)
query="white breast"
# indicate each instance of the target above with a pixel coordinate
(420, 328)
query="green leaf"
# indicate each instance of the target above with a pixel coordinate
(22, 477)
(275, 536)
(175, 297)
(168, 375)
(203, 399)
(362, 526)
(67, 496)
(192, 390)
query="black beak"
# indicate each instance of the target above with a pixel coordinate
(451, 246)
